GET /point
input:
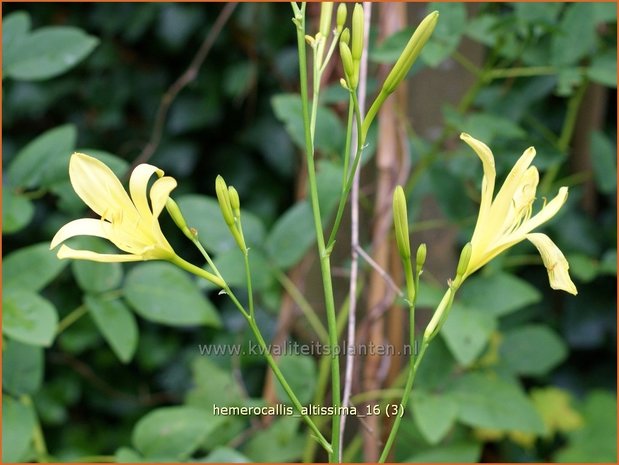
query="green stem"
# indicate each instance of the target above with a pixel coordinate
(325, 265)
(38, 438)
(71, 318)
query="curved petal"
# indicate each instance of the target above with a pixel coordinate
(82, 227)
(555, 263)
(138, 185)
(545, 213)
(68, 252)
(160, 192)
(98, 186)
(487, 186)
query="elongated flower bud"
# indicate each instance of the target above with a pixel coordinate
(178, 218)
(465, 258)
(400, 223)
(411, 52)
(235, 202)
(326, 12)
(346, 61)
(357, 32)
(421, 256)
(342, 12)
(345, 37)
(223, 198)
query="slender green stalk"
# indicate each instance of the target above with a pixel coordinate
(71, 318)
(325, 264)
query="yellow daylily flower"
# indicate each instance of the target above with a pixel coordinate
(130, 223)
(506, 219)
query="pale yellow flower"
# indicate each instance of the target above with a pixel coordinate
(130, 223)
(506, 219)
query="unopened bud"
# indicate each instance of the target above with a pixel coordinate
(357, 32)
(223, 197)
(345, 37)
(346, 61)
(411, 52)
(310, 40)
(326, 12)
(178, 218)
(400, 223)
(421, 256)
(465, 258)
(342, 12)
(343, 84)
(235, 203)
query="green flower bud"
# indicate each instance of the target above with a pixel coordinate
(346, 61)
(326, 12)
(342, 12)
(421, 256)
(175, 212)
(465, 258)
(235, 203)
(345, 37)
(411, 52)
(223, 196)
(400, 223)
(310, 40)
(357, 32)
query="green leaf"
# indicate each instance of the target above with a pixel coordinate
(300, 372)
(576, 37)
(22, 368)
(291, 236)
(162, 293)
(545, 12)
(434, 414)
(532, 350)
(48, 52)
(390, 49)
(498, 294)
(116, 323)
(18, 422)
(604, 161)
(213, 386)
(231, 265)
(17, 212)
(446, 36)
(203, 213)
(329, 133)
(583, 267)
(172, 432)
(597, 440)
(456, 452)
(279, 443)
(486, 401)
(467, 332)
(608, 264)
(32, 165)
(15, 28)
(225, 455)
(27, 317)
(32, 267)
(96, 277)
(128, 455)
(603, 69)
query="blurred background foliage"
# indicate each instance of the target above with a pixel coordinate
(101, 360)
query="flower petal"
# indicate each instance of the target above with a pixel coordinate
(138, 185)
(555, 263)
(160, 192)
(545, 213)
(98, 186)
(487, 187)
(68, 252)
(82, 227)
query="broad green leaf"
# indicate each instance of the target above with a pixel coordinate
(498, 294)
(434, 414)
(597, 440)
(48, 52)
(213, 386)
(605, 12)
(486, 401)
(604, 161)
(608, 264)
(22, 365)
(446, 36)
(116, 323)
(18, 422)
(466, 333)
(225, 455)
(279, 443)
(437, 367)
(583, 267)
(544, 12)
(96, 277)
(39, 161)
(203, 214)
(291, 236)
(488, 126)
(172, 432)
(128, 455)
(450, 191)
(532, 350)
(456, 452)
(300, 372)
(27, 317)
(15, 28)
(162, 293)
(17, 212)
(390, 49)
(576, 36)
(603, 69)
(31, 268)
(329, 134)
(231, 265)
